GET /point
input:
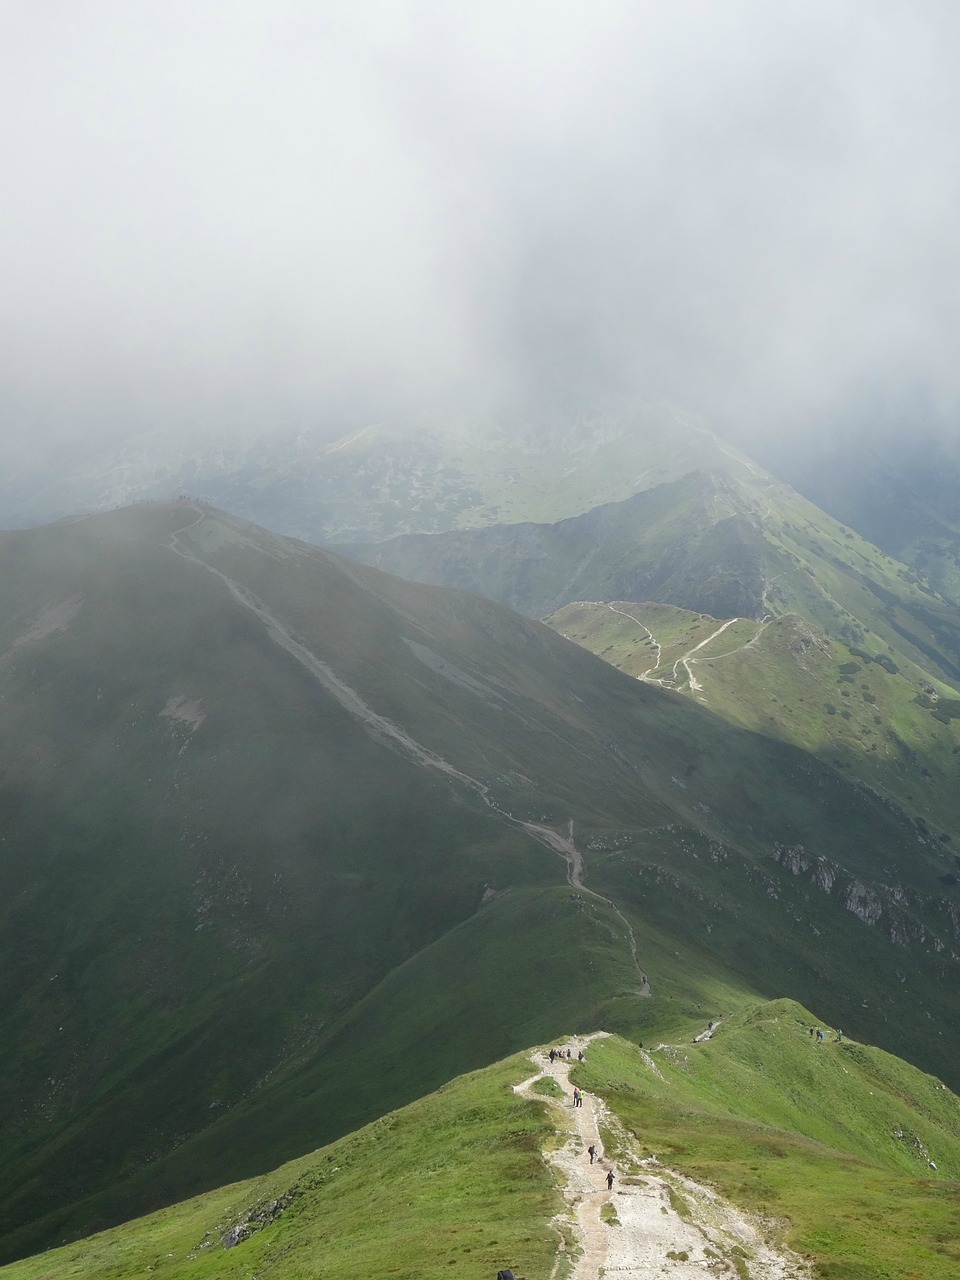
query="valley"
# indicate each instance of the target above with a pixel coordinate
(292, 842)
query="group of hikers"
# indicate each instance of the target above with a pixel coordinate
(564, 1053)
(815, 1031)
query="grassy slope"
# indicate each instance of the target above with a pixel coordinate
(789, 681)
(832, 1140)
(456, 1179)
(422, 475)
(707, 543)
(315, 862)
(453, 1180)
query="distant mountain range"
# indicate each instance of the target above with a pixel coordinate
(897, 485)
(424, 474)
(288, 842)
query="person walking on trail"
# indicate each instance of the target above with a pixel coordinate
(592, 1153)
(839, 1035)
(610, 1180)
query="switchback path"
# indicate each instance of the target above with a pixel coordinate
(634, 1230)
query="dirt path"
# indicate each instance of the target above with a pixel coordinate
(393, 735)
(653, 1223)
(565, 846)
(377, 725)
(695, 685)
(644, 675)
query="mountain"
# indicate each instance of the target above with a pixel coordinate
(784, 678)
(425, 474)
(708, 543)
(288, 843)
(725, 1160)
(899, 486)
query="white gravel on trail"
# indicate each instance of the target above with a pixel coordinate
(644, 1236)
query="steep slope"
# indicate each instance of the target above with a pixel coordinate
(486, 1172)
(268, 816)
(784, 678)
(709, 543)
(898, 485)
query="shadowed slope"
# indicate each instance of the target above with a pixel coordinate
(253, 797)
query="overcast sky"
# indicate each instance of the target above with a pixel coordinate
(271, 214)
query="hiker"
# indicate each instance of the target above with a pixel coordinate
(839, 1035)
(569, 1053)
(592, 1153)
(813, 1031)
(506, 1275)
(553, 1054)
(610, 1180)
(819, 1036)
(580, 1056)
(576, 1097)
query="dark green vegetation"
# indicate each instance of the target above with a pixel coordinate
(833, 1143)
(266, 873)
(898, 485)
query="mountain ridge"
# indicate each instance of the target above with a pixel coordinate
(250, 888)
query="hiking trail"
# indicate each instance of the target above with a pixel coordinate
(645, 674)
(695, 685)
(393, 735)
(635, 1230)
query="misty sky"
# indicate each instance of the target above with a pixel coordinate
(273, 214)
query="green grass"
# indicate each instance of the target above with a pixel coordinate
(788, 680)
(453, 1181)
(805, 1135)
(211, 940)
(820, 1140)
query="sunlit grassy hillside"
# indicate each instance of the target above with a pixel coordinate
(855, 1153)
(897, 730)
(708, 542)
(851, 1157)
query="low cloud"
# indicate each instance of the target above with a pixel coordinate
(292, 214)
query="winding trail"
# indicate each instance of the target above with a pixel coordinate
(634, 1229)
(565, 846)
(644, 675)
(685, 660)
(394, 736)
